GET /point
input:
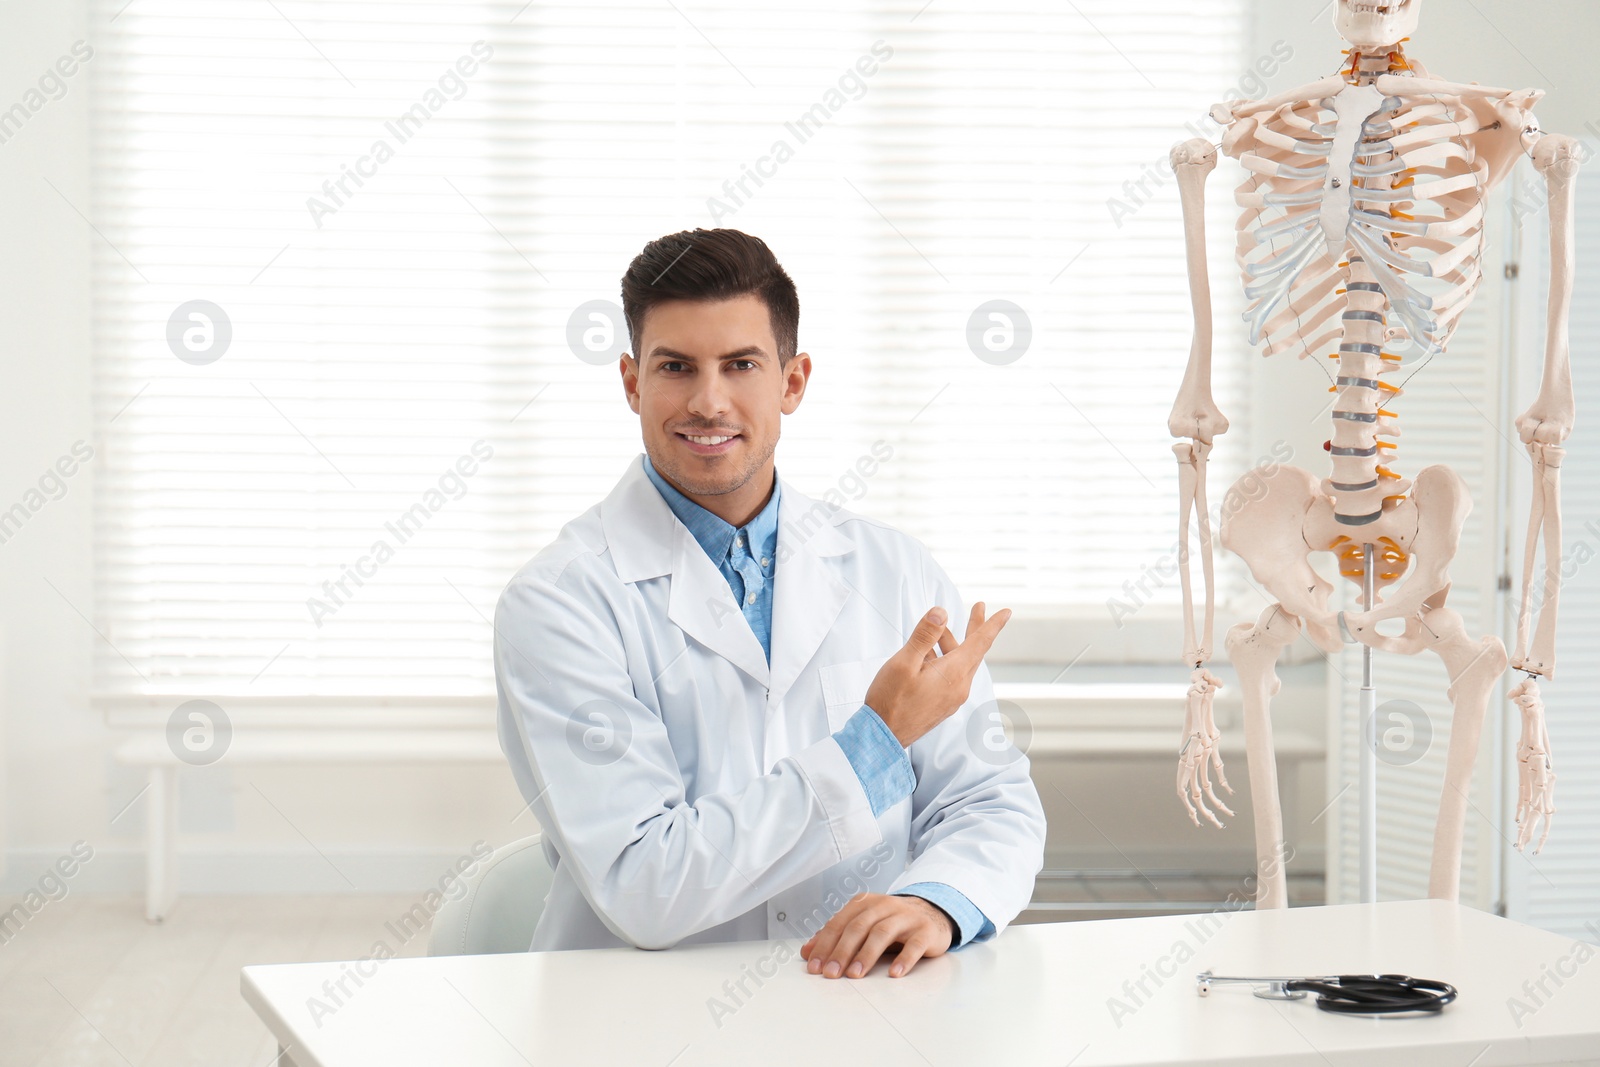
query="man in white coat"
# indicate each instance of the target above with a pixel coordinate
(737, 712)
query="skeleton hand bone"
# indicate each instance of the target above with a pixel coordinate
(1536, 779)
(1199, 753)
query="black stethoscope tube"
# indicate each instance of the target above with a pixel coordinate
(1382, 994)
(1350, 994)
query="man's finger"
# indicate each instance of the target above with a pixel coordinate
(886, 932)
(981, 636)
(947, 645)
(961, 650)
(959, 664)
(823, 941)
(927, 633)
(910, 953)
(851, 938)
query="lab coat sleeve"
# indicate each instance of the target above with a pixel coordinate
(977, 824)
(655, 866)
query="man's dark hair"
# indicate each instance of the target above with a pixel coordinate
(703, 264)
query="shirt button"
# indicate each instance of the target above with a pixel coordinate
(751, 599)
(782, 916)
(739, 541)
(765, 561)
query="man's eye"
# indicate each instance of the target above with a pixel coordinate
(671, 366)
(749, 362)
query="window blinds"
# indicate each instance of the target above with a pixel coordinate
(355, 282)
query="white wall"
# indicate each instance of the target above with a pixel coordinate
(53, 747)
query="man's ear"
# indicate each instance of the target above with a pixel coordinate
(795, 377)
(628, 367)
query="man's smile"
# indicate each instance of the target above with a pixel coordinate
(709, 444)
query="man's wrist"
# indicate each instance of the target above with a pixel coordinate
(880, 761)
(955, 927)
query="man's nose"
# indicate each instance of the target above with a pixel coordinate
(709, 398)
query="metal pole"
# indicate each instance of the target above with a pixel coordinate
(1368, 780)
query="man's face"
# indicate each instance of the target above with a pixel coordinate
(709, 369)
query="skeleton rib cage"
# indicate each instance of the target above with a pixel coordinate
(1415, 191)
(1409, 244)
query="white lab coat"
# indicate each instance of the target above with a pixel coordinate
(687, 792)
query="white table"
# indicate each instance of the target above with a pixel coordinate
(1036, 995)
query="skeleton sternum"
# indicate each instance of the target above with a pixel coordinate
(1360, 482)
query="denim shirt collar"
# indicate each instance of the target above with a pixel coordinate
(713, 532)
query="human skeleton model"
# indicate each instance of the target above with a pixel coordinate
(1362, 235)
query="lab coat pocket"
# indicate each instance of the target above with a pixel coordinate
(844, 688)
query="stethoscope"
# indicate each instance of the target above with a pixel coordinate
(1351, 994)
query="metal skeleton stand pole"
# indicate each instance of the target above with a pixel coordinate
(1368, 778)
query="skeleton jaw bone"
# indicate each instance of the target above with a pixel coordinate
(1376, 25)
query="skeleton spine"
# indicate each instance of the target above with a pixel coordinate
(1362, 486)
(1360, 481)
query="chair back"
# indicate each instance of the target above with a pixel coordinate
(505, 897)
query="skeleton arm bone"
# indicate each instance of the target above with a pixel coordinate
(1196, 416)
(1543, 427)
(1548, 420)
(1545, 517)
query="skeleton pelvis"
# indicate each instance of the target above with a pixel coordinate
(1273, 519)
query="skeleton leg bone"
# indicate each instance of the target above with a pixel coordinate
(1254, 652)
(1475, 668)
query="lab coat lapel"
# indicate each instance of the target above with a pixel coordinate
(702, 603)
(808, 594)
(647, 540)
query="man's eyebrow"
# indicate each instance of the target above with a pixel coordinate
(663, 352)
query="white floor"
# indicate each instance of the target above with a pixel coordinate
(87, 982)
